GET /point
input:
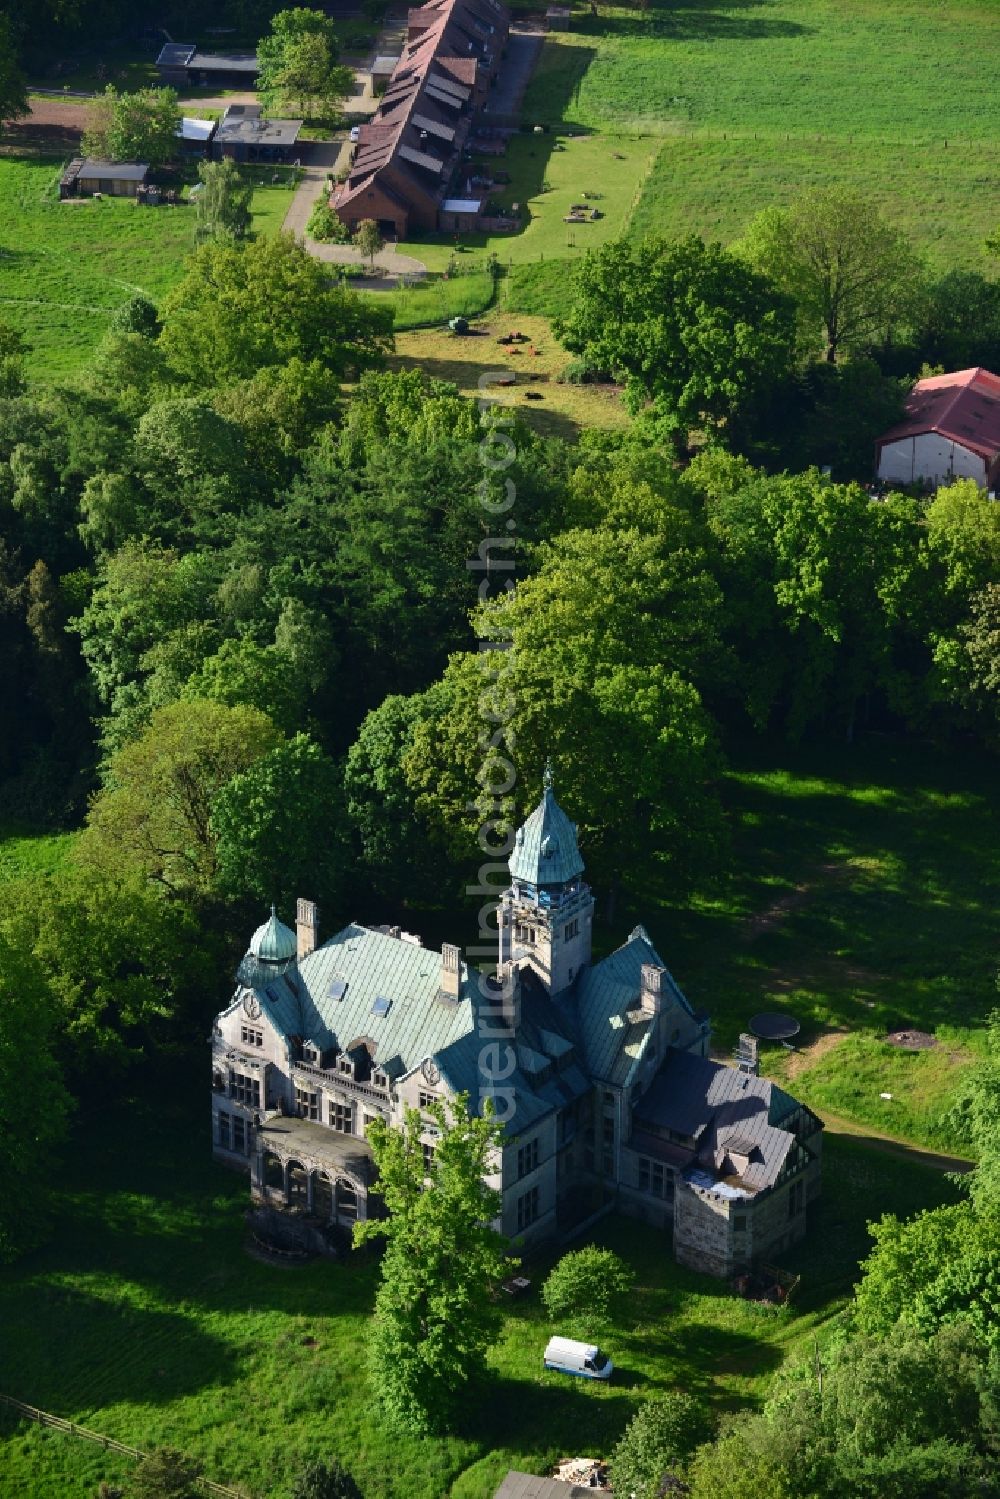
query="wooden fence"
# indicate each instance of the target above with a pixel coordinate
(58, 1423)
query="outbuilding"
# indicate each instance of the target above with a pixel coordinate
(244, 135)
(951, 431)
(460, 214)
(118, 179)
(184, 65)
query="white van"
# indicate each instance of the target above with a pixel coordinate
(570, 1357)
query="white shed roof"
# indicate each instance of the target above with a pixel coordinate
(462, 205)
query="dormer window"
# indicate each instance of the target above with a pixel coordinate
(379, 1080)
(345, 1066)
(310, 1054)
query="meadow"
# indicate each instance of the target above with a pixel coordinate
(549, 173)
(66, 267)
(860, 896)
(749, 103)
(552, 408)
(146, 1320)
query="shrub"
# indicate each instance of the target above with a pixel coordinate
(589, 1280)
(583, 372)
(658, 1440)
(324, 224)
(325, 1481)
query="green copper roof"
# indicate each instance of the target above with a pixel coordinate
(273, 942)
(545, 848)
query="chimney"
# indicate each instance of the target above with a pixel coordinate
(451, 972)
(651, 989)
(306, 927)
(507, 989)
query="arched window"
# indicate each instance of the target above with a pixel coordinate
(347, 1199)
(322, 1196)
(274, 1172)
(298, 1185)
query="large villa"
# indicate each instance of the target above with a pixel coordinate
(599, 1071)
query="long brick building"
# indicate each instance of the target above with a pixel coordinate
(408, 154)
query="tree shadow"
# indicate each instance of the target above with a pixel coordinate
(697, 21)
(70, 1350)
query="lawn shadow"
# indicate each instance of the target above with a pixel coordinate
(697, 21)
(70, 1351)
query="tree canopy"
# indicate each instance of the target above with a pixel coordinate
(297, 64)
(853, 276)
(133, 127)
(240, 307)
(435, 1313)
(687, 325)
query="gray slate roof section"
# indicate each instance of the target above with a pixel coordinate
(527, 1486)
(373, 965)
(545, 848)
(114, 171)
(601, 996)
(689, 1089)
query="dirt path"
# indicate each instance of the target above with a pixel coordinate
(875, 1140)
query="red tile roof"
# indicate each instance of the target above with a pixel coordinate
(964, 407)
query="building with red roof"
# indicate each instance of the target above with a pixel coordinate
(408, 154)
(951, 431)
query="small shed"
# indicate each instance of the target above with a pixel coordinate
(527, 1486)
(244, 135)
(382, 70)
(951, 431)
(183, 64)
(558, 17)
(195, 135)
(458, 214)
(118, 179)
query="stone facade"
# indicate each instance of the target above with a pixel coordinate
(608, 1096)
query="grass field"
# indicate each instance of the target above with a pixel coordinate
(861, 895)
(65, 267)
(25, 853)
(549, 173)
(753, 101)
(562, 411)
(146, 1321)
(437, 299)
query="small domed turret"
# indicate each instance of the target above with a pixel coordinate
(273, 942)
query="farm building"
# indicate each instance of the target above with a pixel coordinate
(195, 135)
(410, 151)
(185, 65)
(951, 431)
(118, 179)
(244, 135)
(382, 70)
(598, 1071)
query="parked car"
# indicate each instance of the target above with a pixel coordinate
(355, 133)
(584, 1359)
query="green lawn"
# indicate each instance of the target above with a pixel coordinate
(437, 299)
(146, 1321)
(549, 173)
(861, 894)
(751, 102)
(65, 267)
(25, 853)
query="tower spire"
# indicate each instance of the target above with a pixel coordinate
(547, 776)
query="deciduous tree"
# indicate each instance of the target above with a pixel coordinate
(133, 127)
(280, 828)
(657, 1442)
(155, 814)
(222, 208)
(243, 306)
(13, 91)
(852, 275)
(589, 1281)
(685, 324)
(368, 240)
(297, 64)
(435, 1315)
